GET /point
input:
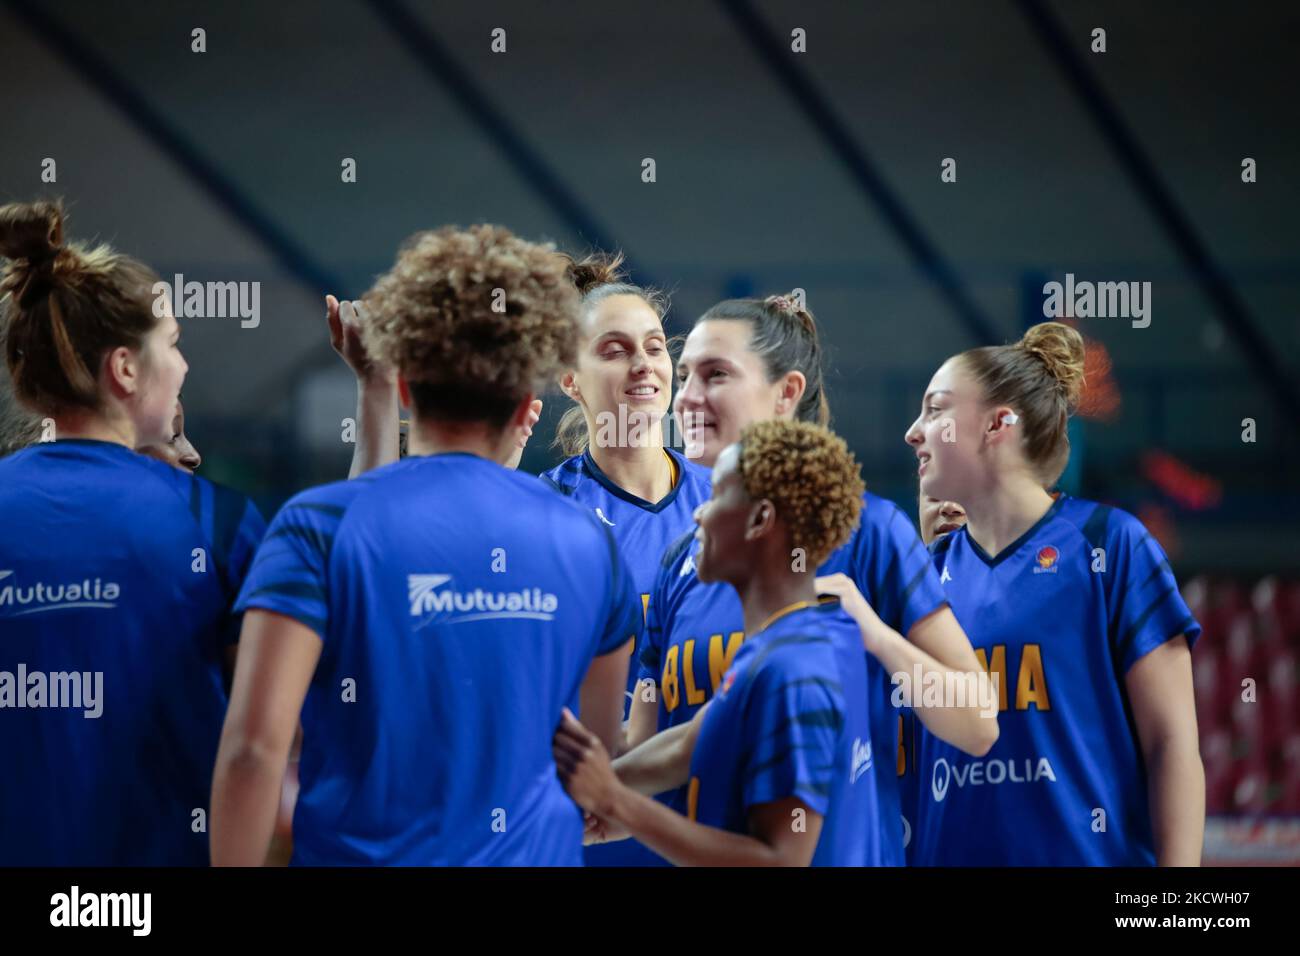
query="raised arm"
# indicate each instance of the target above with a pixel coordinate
(971, 727)
(378, 410)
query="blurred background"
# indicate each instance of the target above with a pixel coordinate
(773, 170)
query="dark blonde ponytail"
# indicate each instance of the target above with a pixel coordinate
(1041, 378)
(63, 307)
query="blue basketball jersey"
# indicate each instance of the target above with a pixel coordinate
(460, 605)
(117, 578)
(642, 530)
(1059, 616)
(791, 719)
(694, 631)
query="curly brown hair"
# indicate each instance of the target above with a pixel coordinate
(473, 319)
(809, 474)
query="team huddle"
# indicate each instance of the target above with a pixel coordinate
(718, 654)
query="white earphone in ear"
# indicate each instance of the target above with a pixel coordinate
(1010, 418)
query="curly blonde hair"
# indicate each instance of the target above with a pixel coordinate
(473, 319)
(809, 474)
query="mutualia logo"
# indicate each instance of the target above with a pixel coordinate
(16, 600)
(435, 603)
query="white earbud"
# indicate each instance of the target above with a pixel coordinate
(1010, 418)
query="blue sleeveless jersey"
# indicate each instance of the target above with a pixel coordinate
(460, 605)
(694, 631)
(642, 530)
(791, 720)
(1059, 616)
(117, 578)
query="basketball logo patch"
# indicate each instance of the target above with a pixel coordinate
(1047, 560)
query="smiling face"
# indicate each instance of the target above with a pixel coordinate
(948, 435)
(722, 386)
(624, 371)
(723, 553)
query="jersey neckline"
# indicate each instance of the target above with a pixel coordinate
(593, 470)
(1014, 546)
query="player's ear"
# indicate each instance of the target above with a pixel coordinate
(569, 385)
(762, 519)
(1002, 422)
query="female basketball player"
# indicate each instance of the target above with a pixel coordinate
(618, 466)
(748, 360)
(117, 572)
(788, 735)
(433, 604)
(1074, 605)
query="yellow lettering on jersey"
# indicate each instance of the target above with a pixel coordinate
(668, 685)
(692, 798)
(693, 694)
(645, 607)
(999, 667)
(720, 658)
(1031, 685)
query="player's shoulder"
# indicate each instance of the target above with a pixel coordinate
(809, 638)
(1101, 525)
(696, 481)
(677, 552)
(804, 655)
(327, 503)
(942, 546)
(566, 477)
(882, 519)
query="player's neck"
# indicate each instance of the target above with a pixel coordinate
(642, 470)
(769, 592)
(119, 430)
(441, 438)
(1010, 508)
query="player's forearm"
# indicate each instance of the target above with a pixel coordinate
(659, 764)
(245, 799)
(966, 714)
(644, 715)
(1176, 787)
(378, 424)
(684, 842)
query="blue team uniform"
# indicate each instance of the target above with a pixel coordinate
(642, 530)
(460, 605)
(117, 578)
(1060, 615)
(791, 719)
(694, 631)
